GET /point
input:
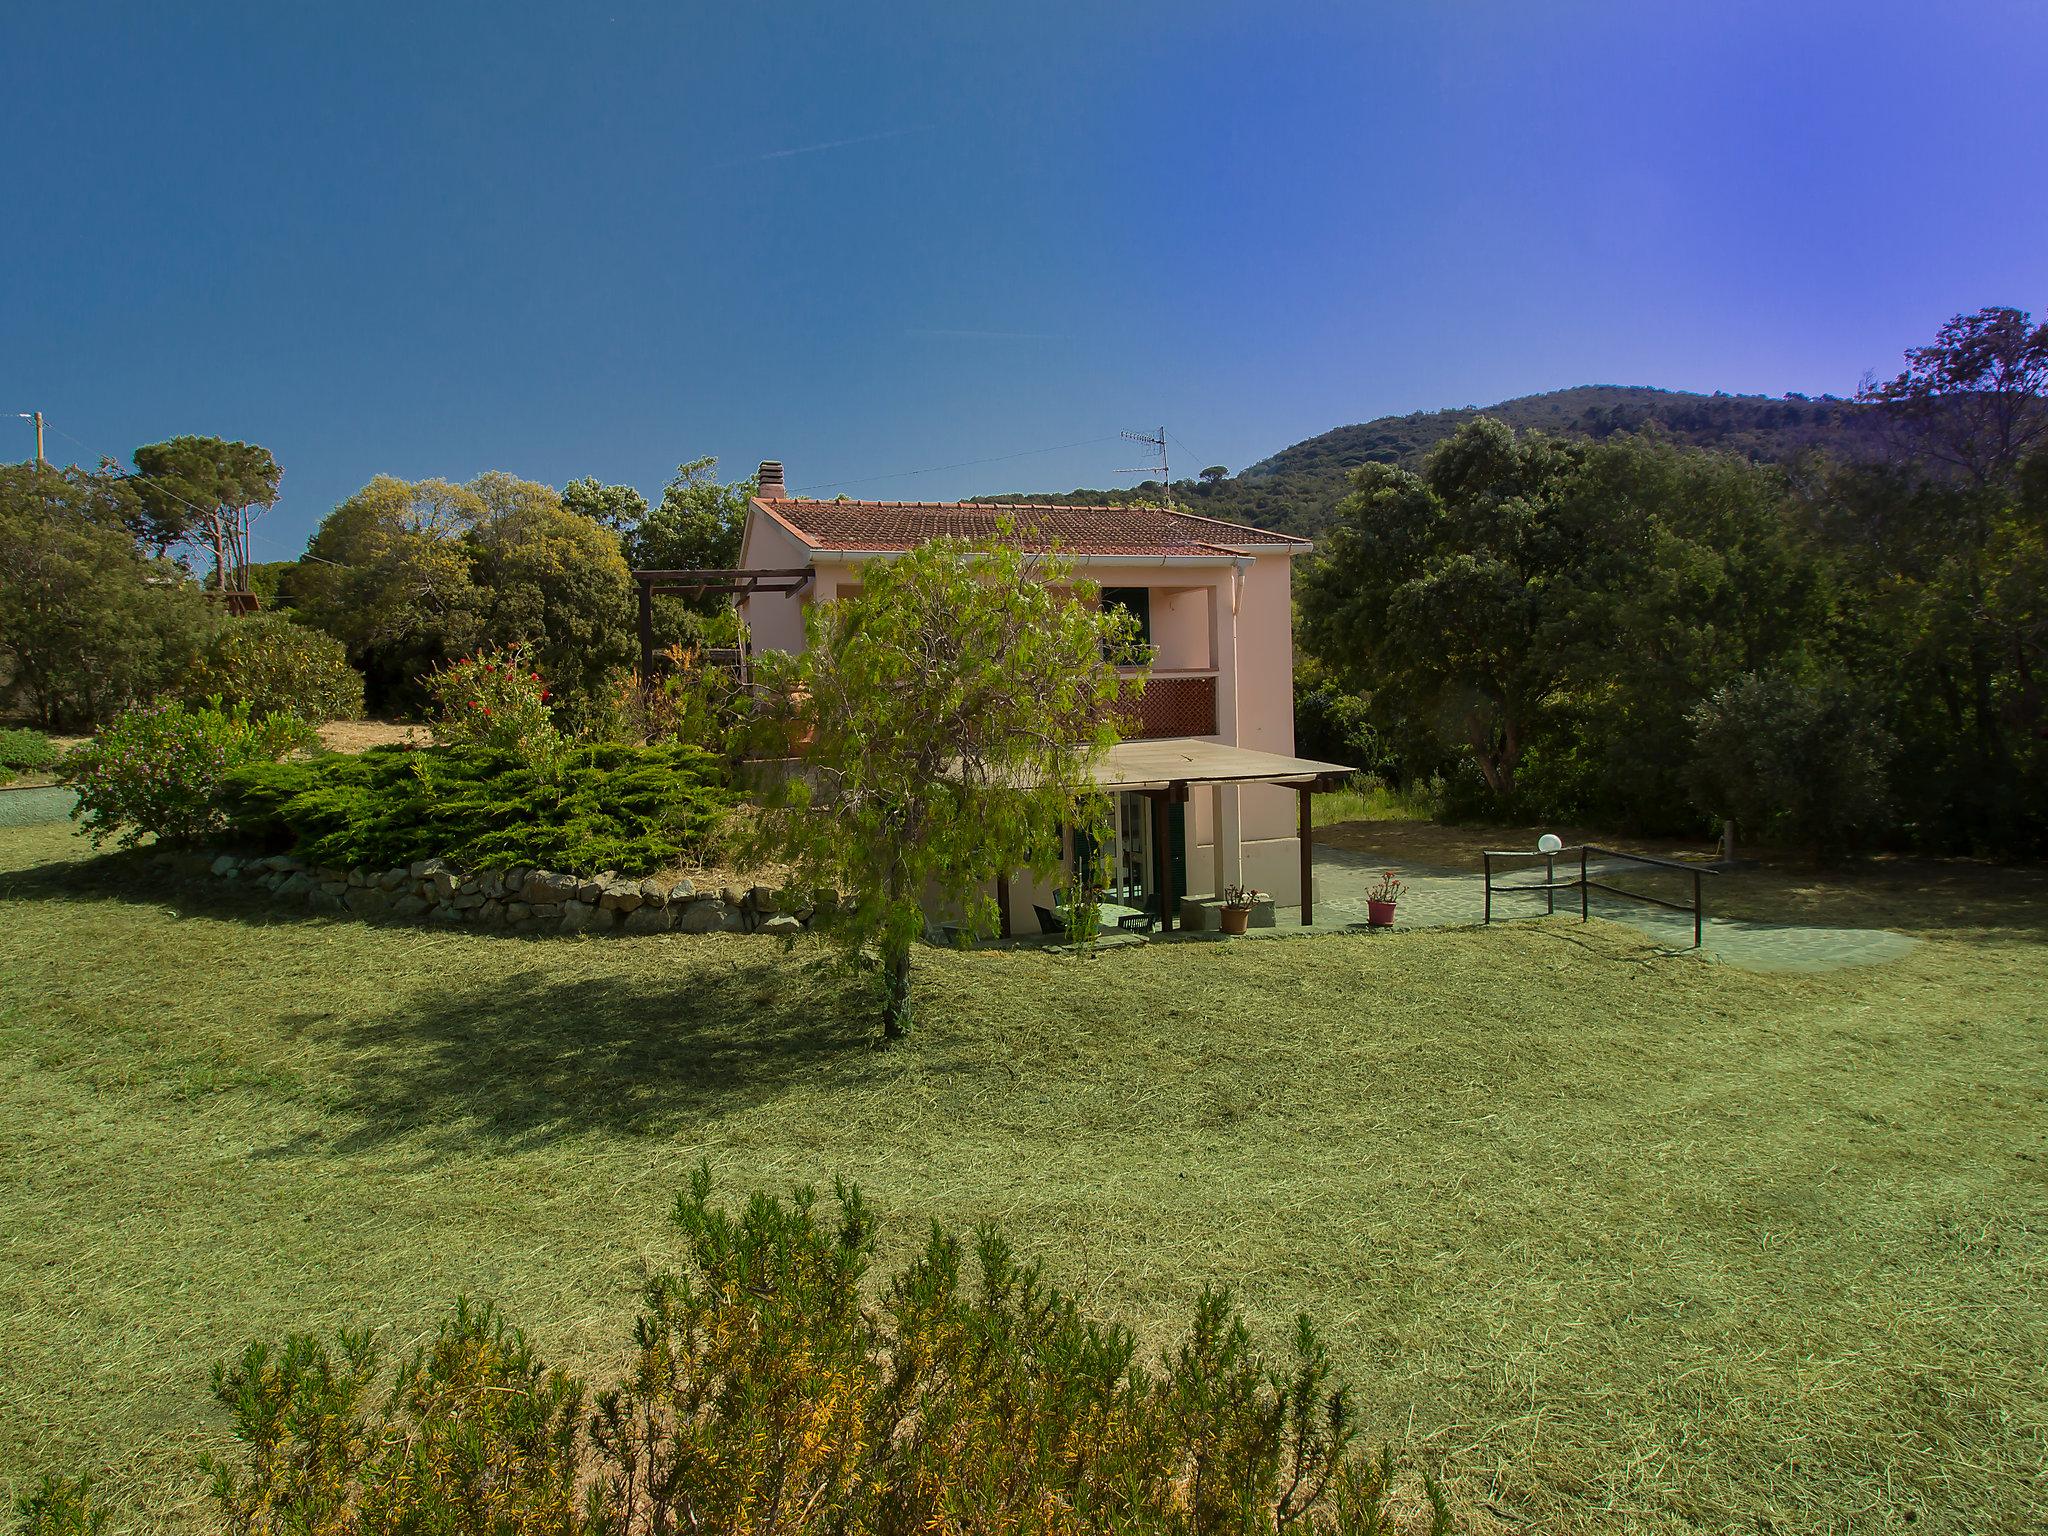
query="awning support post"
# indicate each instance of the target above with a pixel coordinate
(1304, 794)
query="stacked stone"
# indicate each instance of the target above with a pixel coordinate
(523, 900)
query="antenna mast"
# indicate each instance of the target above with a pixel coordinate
(1157, 441)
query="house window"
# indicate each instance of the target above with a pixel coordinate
(1136, 601)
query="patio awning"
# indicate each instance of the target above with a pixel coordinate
(1190, 760)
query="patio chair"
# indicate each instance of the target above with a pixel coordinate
(1144, 920)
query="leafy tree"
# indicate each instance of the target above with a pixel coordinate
(88, 623)
(951, 711)
(1799, 760)
(556, 583)
(207, 492)
(618, 507)
(1975, 398)
(1938, 557)
(1451, 595)
(698, 524)
(1215, 474)
(389, 573)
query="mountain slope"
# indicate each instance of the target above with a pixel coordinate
(1297, 489)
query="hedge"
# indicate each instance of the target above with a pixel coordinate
(623, 809)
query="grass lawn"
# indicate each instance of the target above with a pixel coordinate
(1623, 1241)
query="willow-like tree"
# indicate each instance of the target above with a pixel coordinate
(950, 713)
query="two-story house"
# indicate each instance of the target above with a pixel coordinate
(1207, 777)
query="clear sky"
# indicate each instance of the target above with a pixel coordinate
(558, 239)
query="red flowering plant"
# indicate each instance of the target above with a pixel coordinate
(496, 698)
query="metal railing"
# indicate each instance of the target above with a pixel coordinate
(1585, 884)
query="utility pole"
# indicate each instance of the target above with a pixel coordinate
(37, 418)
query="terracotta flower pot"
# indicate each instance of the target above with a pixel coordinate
(1236, 919)
(1379, 914)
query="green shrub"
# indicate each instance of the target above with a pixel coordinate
(25, 752)
(763, 1396)
(628, 809)
(59, 1506)
(495, 699)
(1793, 761)
(158, 771)
(276, 665)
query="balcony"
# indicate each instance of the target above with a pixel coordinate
(1173, 704)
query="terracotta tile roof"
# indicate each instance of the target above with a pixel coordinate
(892, 525)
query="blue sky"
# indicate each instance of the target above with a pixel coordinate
(865, 239)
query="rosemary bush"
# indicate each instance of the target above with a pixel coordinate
(763, 1395)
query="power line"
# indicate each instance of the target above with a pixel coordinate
(904, 474)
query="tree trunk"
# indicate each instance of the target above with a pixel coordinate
(896, 992)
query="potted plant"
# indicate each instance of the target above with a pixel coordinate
(1379, 901)
(1238, 901)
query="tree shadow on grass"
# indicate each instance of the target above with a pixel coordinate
(532, 1057)
(557, 1039)
(132, 875)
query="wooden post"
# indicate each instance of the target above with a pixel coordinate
(1003, 903)
(1585, 908)
(1486, 862)
(1161, 822)
(1304, 794)
(646, 634)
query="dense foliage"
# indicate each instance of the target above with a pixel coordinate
(1797, 761)
(765, 1396)
(89, 622)
(631, 810)
(1542, 619)
(159, 770)
(278, 666)
(25, 752)
(413, 575)
(950, 713)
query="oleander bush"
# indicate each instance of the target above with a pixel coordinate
(159, 771)
(495, 698)
(25, 752)
(277, 665)
(631, 810)
(762, 1394)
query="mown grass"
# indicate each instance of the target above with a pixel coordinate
(1623, 1241)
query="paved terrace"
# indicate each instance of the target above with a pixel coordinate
(1439, 897)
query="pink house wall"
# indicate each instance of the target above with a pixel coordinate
(1205, 617)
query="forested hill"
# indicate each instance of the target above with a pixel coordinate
(1297, 490)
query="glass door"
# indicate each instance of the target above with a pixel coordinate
(1131, 861)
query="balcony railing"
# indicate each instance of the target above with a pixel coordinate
(1172, 704)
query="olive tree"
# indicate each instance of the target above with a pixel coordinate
(949, 715)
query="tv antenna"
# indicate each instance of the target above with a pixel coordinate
(1157, 441)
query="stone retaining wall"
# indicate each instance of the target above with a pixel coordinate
(518, 900)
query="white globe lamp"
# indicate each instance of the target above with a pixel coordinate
(1549, 842)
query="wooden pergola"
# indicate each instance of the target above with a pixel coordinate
(1165, 770)
(706, 583)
